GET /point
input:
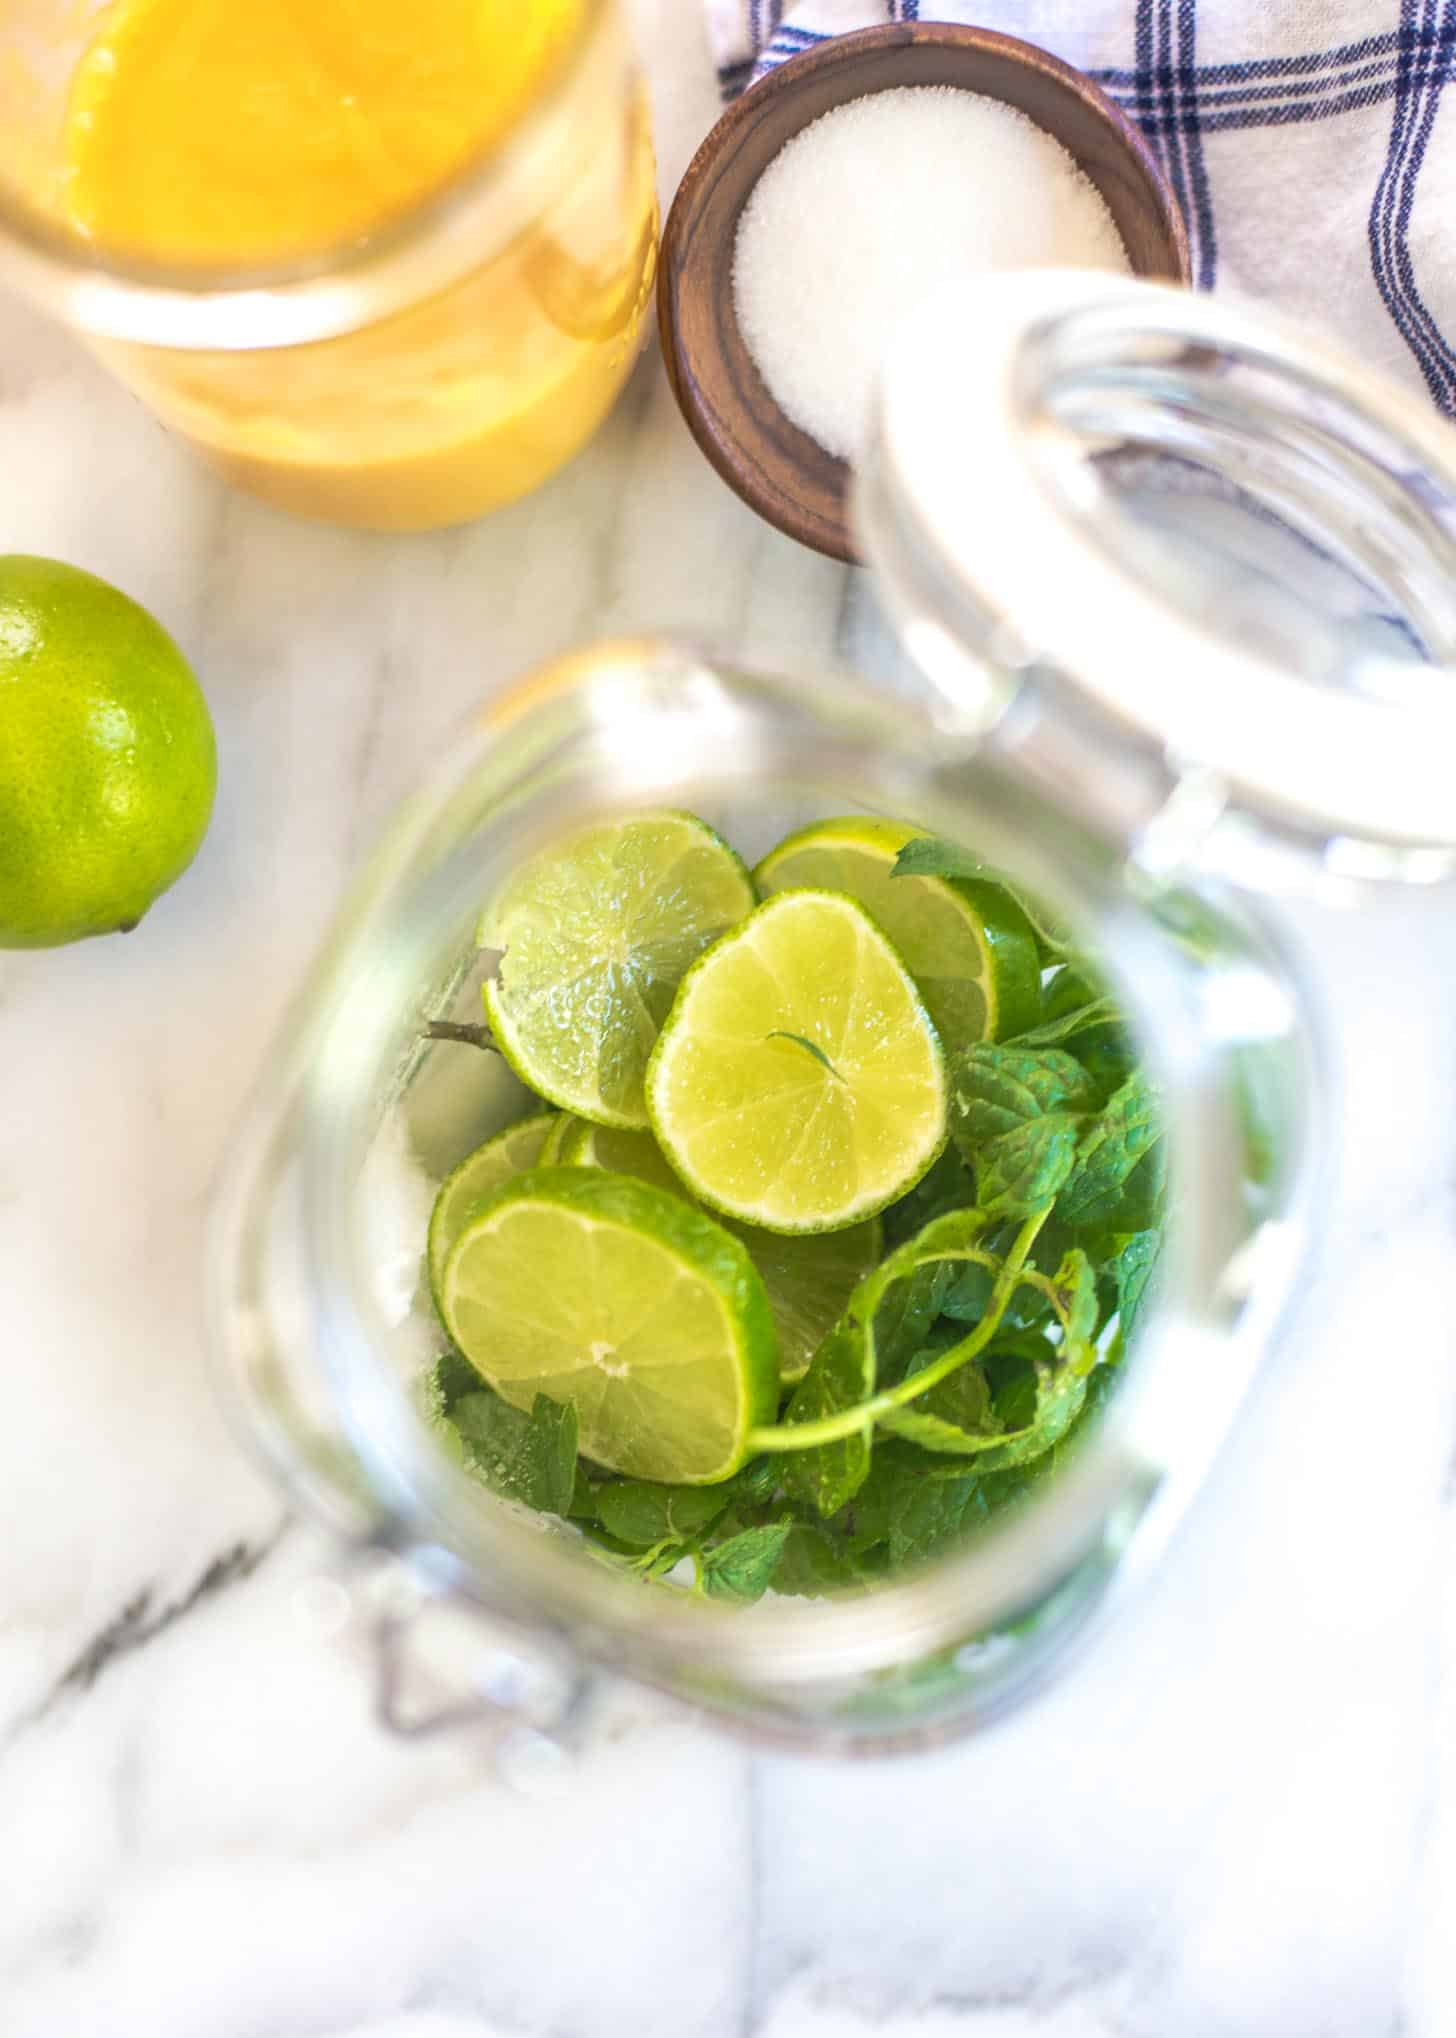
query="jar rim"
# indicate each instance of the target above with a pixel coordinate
(326, 292)
(1024, 546)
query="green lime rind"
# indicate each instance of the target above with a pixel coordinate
(622, 1153)
(1015, 951)
(640, 1311)
(969, 946)
(809, 1277)
(512, 1152)
(108, 761)
(553, 1147)
(782, 1138)
(596, 933)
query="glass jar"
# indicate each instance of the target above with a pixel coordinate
(1125, 435)
(424, 368)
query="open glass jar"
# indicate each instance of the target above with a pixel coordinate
(1130, 440)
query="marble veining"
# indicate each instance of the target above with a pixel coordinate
(1236, 1820)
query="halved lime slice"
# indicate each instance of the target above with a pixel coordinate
(808, 1278)
(641, 1312)
(967, 944)
(597, 932)
(509, 1153)
(799, 1083)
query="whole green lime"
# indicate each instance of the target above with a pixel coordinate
(108, 764)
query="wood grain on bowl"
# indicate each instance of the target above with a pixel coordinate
(774, 466)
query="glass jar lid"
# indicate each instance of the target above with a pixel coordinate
(1216, 555)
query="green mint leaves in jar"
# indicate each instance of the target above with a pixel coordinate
(850, 1222)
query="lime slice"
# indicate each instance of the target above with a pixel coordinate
(509, 1153)
(967, 943)
(563, 1125)
(597, 932)
(799, 1083)
(637, 1309)
(622, 1153)
(808, 1278)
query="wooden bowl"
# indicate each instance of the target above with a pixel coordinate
(777, 468)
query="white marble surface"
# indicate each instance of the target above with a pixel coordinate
(1237, 1820)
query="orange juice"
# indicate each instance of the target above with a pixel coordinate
(208, 136)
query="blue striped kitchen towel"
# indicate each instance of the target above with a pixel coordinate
(1311, 143)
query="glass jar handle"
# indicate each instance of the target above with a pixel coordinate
(535, 1704)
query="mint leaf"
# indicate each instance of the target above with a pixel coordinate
(1014, 1371)
(931, 1514)
(449, 1380)
(961, 1417)
(995, 1089)
(1107, 1056)
(963, 1397)
(1132, 1272)
(815, 1561)
(955, 1415)
(864, 1524)
(1017, 1405)
(901, 1299)
(584, 1494)
(1120, 1137)
(640, 1512)
(1013, 1483)
(1067, 989)
(934, 856)
(1140, 1206)
(841, 1373)
(743, 1567)
(1083, 1019)
(911, 1506)
(1075, 1301)
(494, 1435)
(906, 1314)
(1060, 1393)
(948, 1186)
(1022, 1171)
(757, 1483)
(529, 1458)
(551, 1436)
(970, 1295)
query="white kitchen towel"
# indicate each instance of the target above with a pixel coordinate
(1311, 143)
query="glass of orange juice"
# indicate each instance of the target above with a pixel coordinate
(383, 265)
